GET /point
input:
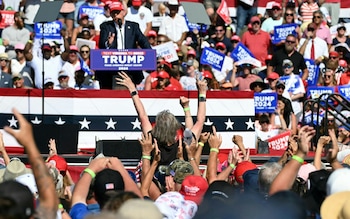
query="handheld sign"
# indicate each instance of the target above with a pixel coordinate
(50, 30)
(279, 143)
(315, 92)
(282, 31)
(241, 52)
(128, 59)
(265, 102)
(313, 72)
(167, 51)
(7, 18)
(212, 57)
(344, 90)
(91, 11)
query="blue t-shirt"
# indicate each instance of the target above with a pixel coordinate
(80, 210)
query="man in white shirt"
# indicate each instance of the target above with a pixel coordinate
(275, 20)
(141, 15)
(174, 26)
(100, 18)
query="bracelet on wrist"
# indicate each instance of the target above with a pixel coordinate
(297, 158)
(146, 157)
(186, 109)
(201, 144)
(214, 150)
(192, 158)
(202, 95)
(202, 99)
(232, 166)
(90, 172)
(133, 93)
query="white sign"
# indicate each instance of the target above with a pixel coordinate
(167, 51)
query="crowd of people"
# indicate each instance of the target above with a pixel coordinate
(168, 181)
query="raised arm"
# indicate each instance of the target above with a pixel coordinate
(286, 177)
(143, 117)
(322, 141)
(3, 151)
(191, 153)
(202, 91)
(185, 103)
(215, 141)
(332, 153)
(46, 187)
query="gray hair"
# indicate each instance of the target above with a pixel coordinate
(267, 174)
(166, 127)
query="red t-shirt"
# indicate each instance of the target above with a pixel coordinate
(258, 43)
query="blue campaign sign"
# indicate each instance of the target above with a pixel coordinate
(191, 26)
(50, 30)
(344, 90)
(127, 59)
(265, 102)
(241, 52)
(310, 118)
(212, 57)
(282, 31)
(292, 82)
(91, 11)
(313, 72)
(314, 92)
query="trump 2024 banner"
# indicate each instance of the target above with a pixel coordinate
(241, 52)
(282, 31)
(279, 143)
(128, 59)
(265, 102)
(344, 90)
(50, 30)
(212, 57)
(313, 72)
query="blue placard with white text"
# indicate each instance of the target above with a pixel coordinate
(313, 72)
(212, 57)
(265, 102)
(344, 90)
(314, 92)
(282, 31)
(127, 59)
(91, 11)
(50, 30)
(241, 52)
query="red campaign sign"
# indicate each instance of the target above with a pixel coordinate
(279, 142)
(223, 12)
(7, 18)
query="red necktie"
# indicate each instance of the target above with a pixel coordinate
(312, 50)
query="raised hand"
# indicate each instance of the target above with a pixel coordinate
(215, 139)
(202, 86)
(180, 154)
(204, 137)
(157, 155)
(111, 37)
(126, 81)
(306, 133)
(184, 101)
(146, 144)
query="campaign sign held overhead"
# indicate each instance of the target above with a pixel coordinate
(344, 90)
(128, 59)
(241, 52)
(50, 30)
(313, 72)
(282, 31)
(212, 57)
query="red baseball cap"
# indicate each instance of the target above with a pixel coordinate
(334, 53)
(255, 19)
(136, 3)
(276, 5)
(207, 74)
(116, 6)
(191, 52)
(273, 76)
(73, 48)
(61, 163)
(152, 33)
(163, 74)
(193, 188)
(220, 45)
(84, 16)
(235, 38)
(242, 168)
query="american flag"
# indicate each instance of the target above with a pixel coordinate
(110, 115)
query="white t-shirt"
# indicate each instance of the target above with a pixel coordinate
(270, 23)
(173, 27)
(51, 69)
(142, 16)
(99, 19)
(70, 69)
(188, 83)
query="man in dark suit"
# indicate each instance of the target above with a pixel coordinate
(120, 34)
(5, 80)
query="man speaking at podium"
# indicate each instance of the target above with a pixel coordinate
(120, 34)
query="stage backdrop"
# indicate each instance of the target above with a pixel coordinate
(110, 115)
